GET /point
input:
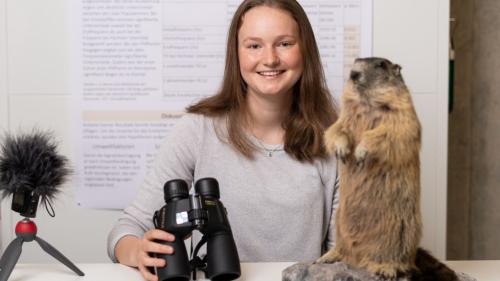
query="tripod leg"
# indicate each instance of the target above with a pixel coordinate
(57, 255)
(10, 258)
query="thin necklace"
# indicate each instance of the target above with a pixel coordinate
(268, 151)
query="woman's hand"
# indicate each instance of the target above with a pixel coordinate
(134, 251)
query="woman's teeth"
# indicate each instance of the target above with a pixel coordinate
(271, 73)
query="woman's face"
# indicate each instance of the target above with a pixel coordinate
(269, 51)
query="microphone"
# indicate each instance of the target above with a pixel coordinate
(30, 168)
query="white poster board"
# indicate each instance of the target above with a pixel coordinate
(138, 64)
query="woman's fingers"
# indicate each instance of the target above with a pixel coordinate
(153, 247)
(157, 234)
(147, 260)
(147, 274)
(151, 243)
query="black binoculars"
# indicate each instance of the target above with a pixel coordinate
(202, 211)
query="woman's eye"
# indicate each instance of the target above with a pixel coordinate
(253, 46)
(285, 44)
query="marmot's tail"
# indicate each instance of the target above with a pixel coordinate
(431, 269)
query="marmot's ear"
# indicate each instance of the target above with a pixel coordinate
(397, 69)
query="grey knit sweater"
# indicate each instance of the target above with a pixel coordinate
(279, 209)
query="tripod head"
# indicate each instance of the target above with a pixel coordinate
(26, 229)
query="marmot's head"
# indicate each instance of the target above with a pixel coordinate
(375, 73)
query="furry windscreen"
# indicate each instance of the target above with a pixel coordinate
(30, 162)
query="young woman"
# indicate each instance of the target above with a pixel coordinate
(261, 137)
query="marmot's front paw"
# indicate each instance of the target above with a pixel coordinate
(339, 146)
(360, 154)
(330, 257)
(342, 150)
(384, 271)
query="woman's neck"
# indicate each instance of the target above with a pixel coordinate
(266, 116)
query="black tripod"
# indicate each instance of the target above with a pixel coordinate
(26, 232)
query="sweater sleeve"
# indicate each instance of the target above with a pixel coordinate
(176, 159)
(330, 239)
(330, 179)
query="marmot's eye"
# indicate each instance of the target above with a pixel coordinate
(381, 64)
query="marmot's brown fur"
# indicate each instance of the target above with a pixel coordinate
(377, 138)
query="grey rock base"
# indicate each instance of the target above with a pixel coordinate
(338, 271)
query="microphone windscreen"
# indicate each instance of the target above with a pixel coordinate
(30, 162)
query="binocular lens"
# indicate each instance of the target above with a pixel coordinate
(223, 263)
(175, 190)
(208, 187)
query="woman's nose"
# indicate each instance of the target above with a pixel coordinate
(271, 58)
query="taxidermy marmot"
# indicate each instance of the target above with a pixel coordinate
(377, 138)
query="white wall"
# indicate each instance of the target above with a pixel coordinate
(34, 84)
(415, 35)
(38, 79)
(3, 84)
(3, 68)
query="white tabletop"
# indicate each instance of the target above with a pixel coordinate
(481, 270)
(487, 270)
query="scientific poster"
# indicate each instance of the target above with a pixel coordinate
(139, 63)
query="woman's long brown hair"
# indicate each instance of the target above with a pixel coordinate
(312, 110)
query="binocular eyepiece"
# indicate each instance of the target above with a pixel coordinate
(202, 211)
(178, 189)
